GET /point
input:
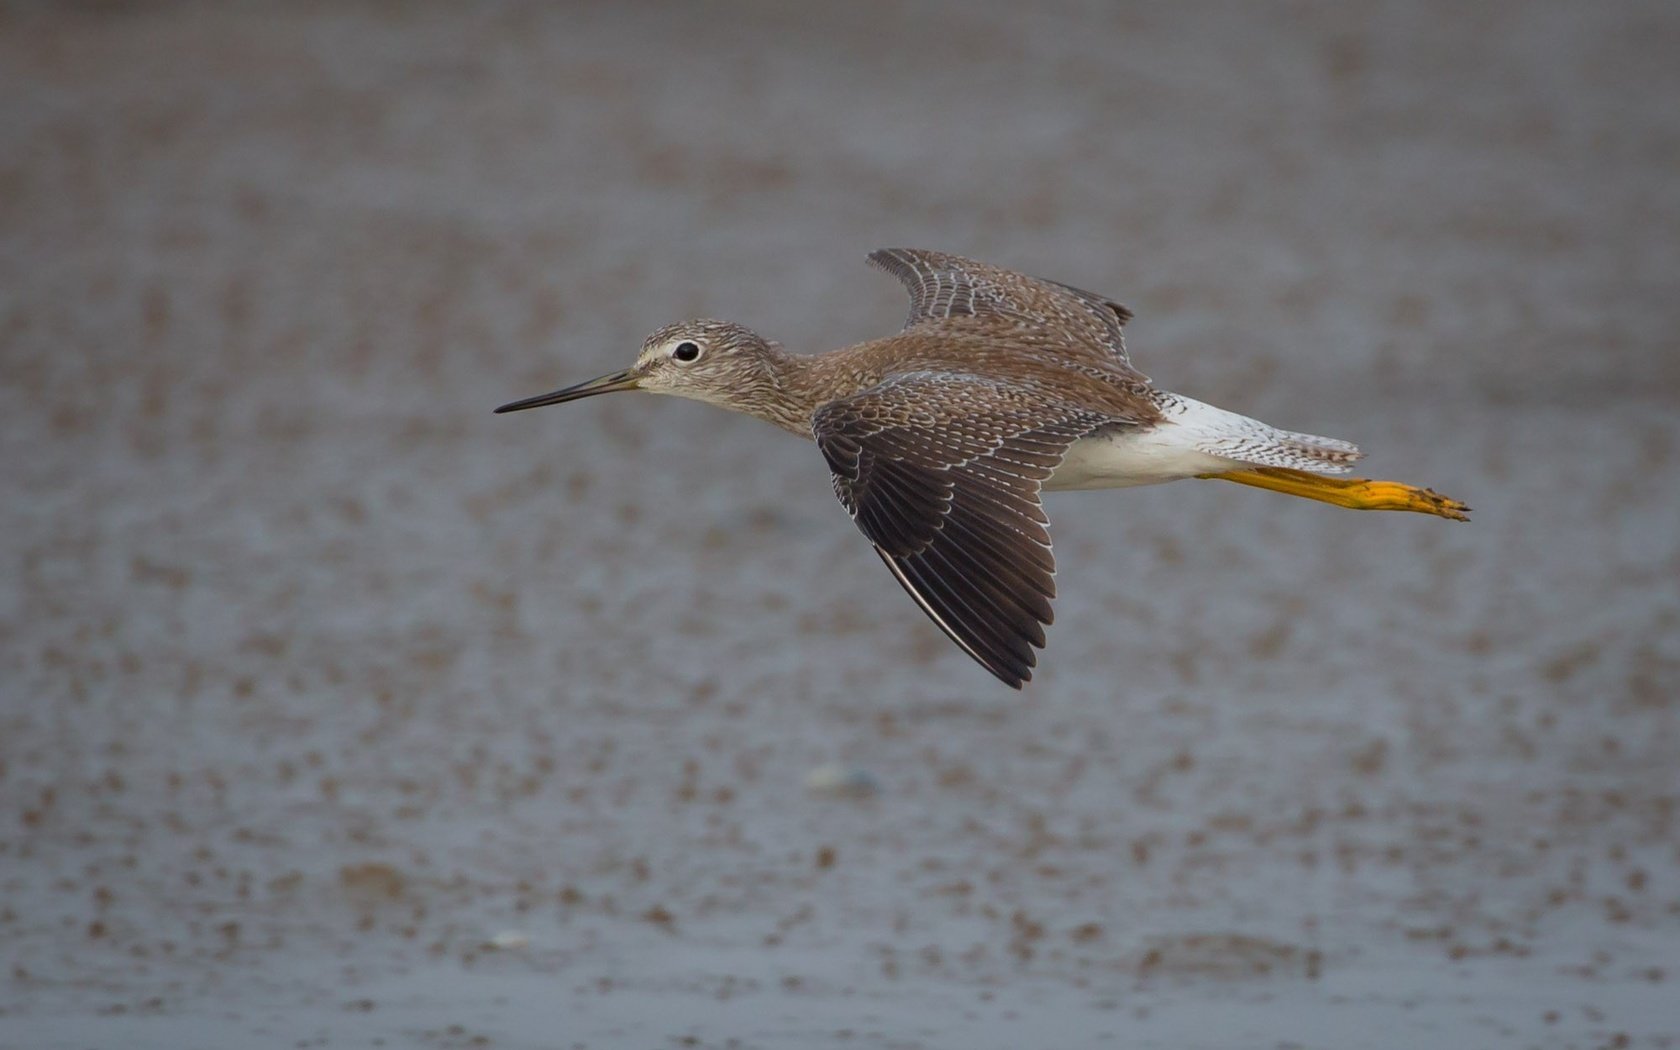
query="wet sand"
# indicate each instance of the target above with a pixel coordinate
(339, 712)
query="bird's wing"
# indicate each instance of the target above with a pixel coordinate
(942, 472)
(945, 287)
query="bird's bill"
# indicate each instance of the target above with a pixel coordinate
(625, 380)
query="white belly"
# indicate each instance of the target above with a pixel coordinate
(1132, 457)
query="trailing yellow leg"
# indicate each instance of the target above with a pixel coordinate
(1354, 493)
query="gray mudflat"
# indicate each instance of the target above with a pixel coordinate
(339, 712)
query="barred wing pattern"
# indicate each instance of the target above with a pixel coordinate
(943, 472)
(944, 286)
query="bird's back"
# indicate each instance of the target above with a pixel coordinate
(1027, 357)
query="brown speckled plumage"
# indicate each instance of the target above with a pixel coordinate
(941, 438)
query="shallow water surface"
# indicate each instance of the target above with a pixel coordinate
(339, 712)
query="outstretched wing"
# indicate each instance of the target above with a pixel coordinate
(943, 287)
(942, 472)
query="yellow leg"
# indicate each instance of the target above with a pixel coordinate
(1355, 493)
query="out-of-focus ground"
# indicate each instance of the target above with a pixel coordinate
(318, 678)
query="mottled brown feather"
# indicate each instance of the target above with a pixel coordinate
(942, 472)
(946, 289)
(940, 436)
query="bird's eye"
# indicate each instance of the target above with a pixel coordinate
(686, 351)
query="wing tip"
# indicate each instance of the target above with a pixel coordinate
(1015, 682)
(885, 258)
(1014, 672)
(899, 262)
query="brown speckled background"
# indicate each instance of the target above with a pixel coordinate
(316, 678)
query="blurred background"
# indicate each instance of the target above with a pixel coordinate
(338, 711)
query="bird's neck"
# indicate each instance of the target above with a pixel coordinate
(797, 385)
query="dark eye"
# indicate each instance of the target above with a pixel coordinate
(686, 351)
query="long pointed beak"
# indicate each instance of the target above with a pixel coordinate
(625, 380)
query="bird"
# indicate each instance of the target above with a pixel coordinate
(941, 439)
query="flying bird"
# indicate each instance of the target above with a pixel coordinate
(941, 439)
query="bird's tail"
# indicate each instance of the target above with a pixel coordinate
(1297, 464)
(1244, 440)
(1286, 448)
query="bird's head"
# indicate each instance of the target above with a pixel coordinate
(720, 362)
